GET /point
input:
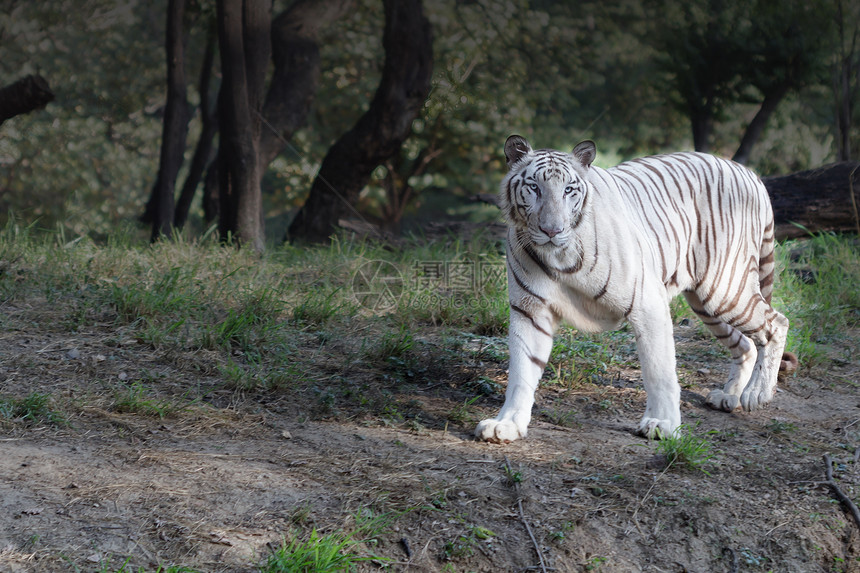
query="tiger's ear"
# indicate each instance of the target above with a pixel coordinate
(585, 152)
(515, 148)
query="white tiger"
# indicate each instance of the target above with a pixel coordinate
(593, 247)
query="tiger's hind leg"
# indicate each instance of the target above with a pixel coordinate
(767, 327)
(771, 334)
(743, 353)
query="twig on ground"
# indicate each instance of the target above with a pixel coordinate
(837, 491)
(523, 518)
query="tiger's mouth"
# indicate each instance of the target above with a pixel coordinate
(542, 240)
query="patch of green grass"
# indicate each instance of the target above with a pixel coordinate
(817, 291)
(330, 552)
(560, 416)
(463, 414)
(248, 326)
(684, 449)
(462, 287)
(318, 553)
(164, 296)
(237, 376)
(780, 427)
(318, 306)
(392, 345)
(579, 357)
(33, 409)
(137, 398)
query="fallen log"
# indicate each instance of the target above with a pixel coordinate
(822, 199)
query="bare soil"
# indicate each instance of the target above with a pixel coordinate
(215, 484)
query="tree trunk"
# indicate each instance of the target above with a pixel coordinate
(756, 126)
(844, 110)
(174, 127)
(244, 40)
(27, 94)
(703, 125)
(203, 151)
(295, 79)
(381, 131)
(211, 198)
(819, 200)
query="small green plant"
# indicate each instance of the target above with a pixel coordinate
(238, 377)
(462, 413)
(780, 427)
(562, 532)
(394, 346)
(35, 408)
(685, 449)
(560, 416)
(464, 544)
(513, 476)
(484, 385)
(595, 563)
(137, 398)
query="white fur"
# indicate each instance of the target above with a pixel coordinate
(595, 258)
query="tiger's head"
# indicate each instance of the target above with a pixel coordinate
(543, 194)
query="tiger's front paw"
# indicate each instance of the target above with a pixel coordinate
(655, 429)
(719, 400)
(499, 431)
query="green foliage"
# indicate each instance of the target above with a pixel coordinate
(163, 296)
(578, 357)
(88, 158)
(684, 449)
(780, 427)
(463, 414)
(137, 398)
(336, 551)
(464, 544)
(393, 345)
(318, 306)
(32, 409)
(317, 554)
(816, 290)
(513, 476)
(557, 72)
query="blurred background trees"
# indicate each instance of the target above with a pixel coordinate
(772, 84)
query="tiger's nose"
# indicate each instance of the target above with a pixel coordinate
(551, 232)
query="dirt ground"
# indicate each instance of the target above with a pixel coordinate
(216, 484)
